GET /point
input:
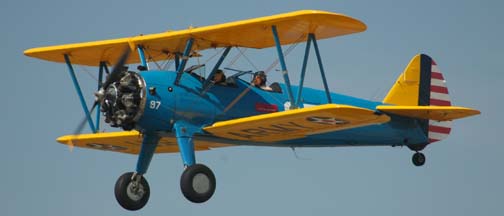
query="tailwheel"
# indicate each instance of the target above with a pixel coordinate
(132, 191)
(418, 159)
(197, 183)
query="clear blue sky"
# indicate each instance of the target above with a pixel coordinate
(463, 174)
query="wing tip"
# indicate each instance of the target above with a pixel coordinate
(30, 52)
(64, 139)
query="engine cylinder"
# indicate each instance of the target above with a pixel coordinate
(124, 101)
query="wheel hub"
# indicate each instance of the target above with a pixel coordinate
(201, 183)
(135, 191)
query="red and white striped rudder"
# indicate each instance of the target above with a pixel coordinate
(438, 97)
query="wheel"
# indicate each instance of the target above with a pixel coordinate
(197, 183)
(130, 194)
(418, 159)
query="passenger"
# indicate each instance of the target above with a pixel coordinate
(219, 78)
(259, 81)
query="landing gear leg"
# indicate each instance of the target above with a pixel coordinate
(418, 159)
(197, 182)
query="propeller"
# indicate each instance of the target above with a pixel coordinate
(114, 76)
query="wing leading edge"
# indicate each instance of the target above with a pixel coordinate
(129, 142)
(252, 33)
(298, 123)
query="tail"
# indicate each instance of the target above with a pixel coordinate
(422, 84)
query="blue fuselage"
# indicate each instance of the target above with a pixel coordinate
(185, 101)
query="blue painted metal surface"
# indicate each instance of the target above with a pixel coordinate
(184, 111)
(141, 55)
(159, 108)
(184, 132)
(321, 67)
(185, 57)
(79, 92)
(149, 144)
(185, 104)
(283, 65)
(303, 71)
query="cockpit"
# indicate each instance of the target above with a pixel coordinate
(229, 77)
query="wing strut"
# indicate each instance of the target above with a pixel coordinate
(321, 67)
(185, 57)
(103, 66)
(141, 54)
(208, 84)
(303, 71)
(284, 67)
(79, 92)
(312, 39)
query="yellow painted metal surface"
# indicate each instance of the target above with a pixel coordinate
(128, 142)
(253, 33)
(405, 89)
(298, 123)
(439, 113)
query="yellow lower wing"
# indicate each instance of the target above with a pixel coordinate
(128, 142)
(297, 123)
(439, 113)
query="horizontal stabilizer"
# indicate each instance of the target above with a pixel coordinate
(438, 113)
(128, 142)
(297, 123)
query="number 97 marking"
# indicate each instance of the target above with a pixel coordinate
(154, 104)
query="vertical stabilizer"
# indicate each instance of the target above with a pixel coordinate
(422, 84)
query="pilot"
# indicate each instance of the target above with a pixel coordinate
(259, 81)
(219, 78)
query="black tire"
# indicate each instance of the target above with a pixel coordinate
(204, 187)
(418, 159)
(128, 199)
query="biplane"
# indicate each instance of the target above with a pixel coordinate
(169, 111)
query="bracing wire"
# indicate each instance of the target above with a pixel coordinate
(88, 72)
(245, 91)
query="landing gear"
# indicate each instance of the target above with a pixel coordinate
(132, 192)
(418, 159)
(197, 183)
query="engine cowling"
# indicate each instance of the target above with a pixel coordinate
(124, 101)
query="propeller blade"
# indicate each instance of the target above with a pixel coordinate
(82, 123)
(80, 126)
(115, 75)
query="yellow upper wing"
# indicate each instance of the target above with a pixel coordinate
(297, 123)
(253, 33)
(439, 113)
(129, 142)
